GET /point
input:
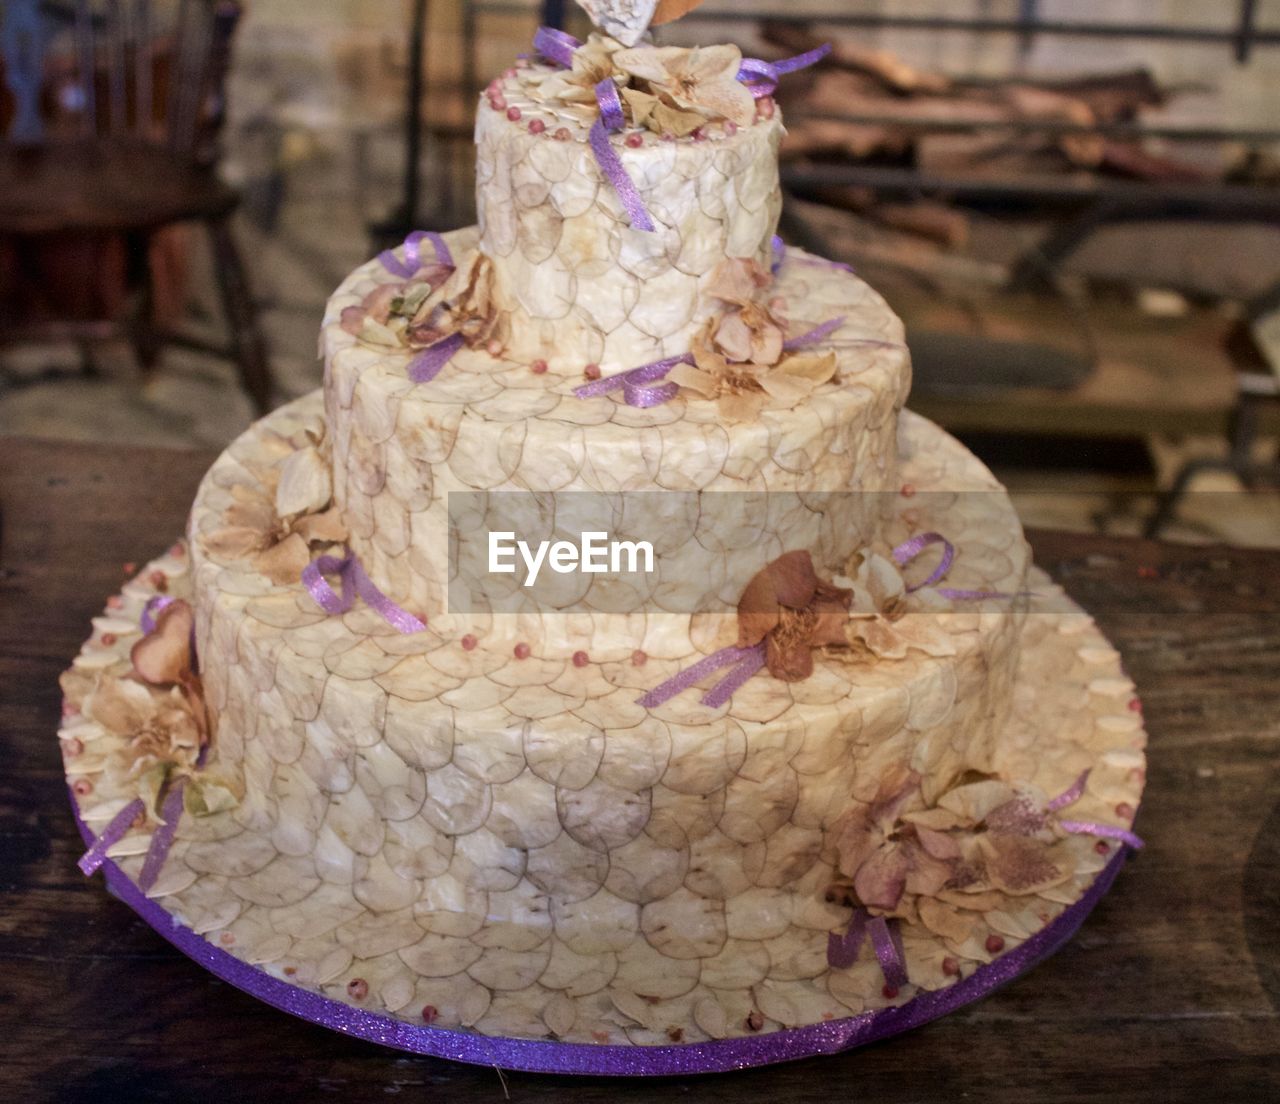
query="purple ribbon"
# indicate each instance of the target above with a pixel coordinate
(842, 950)
(112, 834)
(413, 263)
(887, 942)
(354, 582)
(556, 46)
(155, 604)
(610, 105)
(814, 336)
(1069, 796)
(908, 551)
(744, 661)
(424, 367)
(762, 77)
(162, 840)
(778, 251)
(616, 174)
(779, 248)
(1089, 828)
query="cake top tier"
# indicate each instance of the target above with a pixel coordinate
(611, 182)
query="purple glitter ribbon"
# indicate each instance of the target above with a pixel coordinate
(556, 46)
(155, 604)
(112, 834)
(1069, 796)
(609, 1060)
(814, 336)
(1089, 827)
(162, 839)
(413, 262)
(424, 367)
(744, 661)
(762, 77)
(616, 174)
(610, 105)
(908, 551)
(886, 941)
(354, 582)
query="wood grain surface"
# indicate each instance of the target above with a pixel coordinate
(1168, 993)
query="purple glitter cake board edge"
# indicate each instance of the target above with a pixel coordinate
(610, 1060)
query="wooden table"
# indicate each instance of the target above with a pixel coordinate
(1169, 992)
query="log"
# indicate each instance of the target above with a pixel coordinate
(886, 67)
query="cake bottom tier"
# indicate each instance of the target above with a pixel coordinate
(528, 853)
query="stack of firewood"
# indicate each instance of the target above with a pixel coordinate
(870, 107)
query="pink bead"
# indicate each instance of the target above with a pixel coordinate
(514, 114)
(639, 658)
(73, 747)
(159, 580)
(581, 659)
(950, 967)
(1124, 810)
(889, 992)
(730, 127)
(108, 639)
(908, 490)
(494, 348)
(536, 126)
(177, 550)
(226, 939)
(468, 643)
(592, 371)
(1102, 847)
(115, 602)
(538, 367)
(765, 107)
(699, 135)
(635, 141)
(522, 651)
(498, 102)
(429, 1013)
(562, 134)
(357, 989)
(995, 944)
(82, 787)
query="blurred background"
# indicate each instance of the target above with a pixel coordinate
(1075, 206)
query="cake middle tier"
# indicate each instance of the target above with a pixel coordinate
(401, 449)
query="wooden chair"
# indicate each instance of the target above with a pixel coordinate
(112, 117)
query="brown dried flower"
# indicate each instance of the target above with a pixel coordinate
(702, 81)
(794, 611)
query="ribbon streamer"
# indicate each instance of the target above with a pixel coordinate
(762, 77)
(155, 604)
(908, 551)
(1069, 796)
(162, 839)
(424, 367)
(112, 834)
(616, 174)
(814, 336)
(1089, 828)
(842, 950)
(413, 263)
(739, 658)
(610, 105)
(354, 582)
(556, 46)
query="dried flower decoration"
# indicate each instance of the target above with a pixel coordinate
(702, 81)
(437, 303)
(158, 712)
(276, 520)
(982, 839)
(879, 622)
(793, 611)
(750, 331)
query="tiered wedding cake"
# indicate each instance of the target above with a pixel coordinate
(531, 824)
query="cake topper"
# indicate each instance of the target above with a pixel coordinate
(627, 20)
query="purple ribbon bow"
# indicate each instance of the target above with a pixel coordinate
(355, 582)
(413, 262)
